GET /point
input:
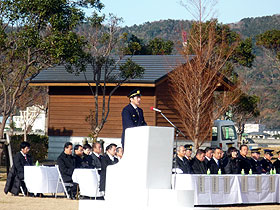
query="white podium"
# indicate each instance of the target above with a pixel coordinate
(142, 179)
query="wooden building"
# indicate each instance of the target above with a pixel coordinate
(70, 100)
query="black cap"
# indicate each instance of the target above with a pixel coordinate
(133, 93)
(269, 152)
(188, 146)
(257, 150)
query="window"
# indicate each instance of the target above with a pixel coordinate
(214, 133)
(228, 132)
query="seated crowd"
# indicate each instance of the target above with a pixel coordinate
(86, 156)
(214, 161)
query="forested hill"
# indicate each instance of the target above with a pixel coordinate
(171, 29)
(261, 76)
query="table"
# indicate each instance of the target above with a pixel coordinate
(88, 180)
(229, 189)
(41, 179)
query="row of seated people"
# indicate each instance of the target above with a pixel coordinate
(214, 161)
(86, 157)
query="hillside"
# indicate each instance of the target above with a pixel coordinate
(261, 77)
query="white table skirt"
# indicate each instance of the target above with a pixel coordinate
(229, 189)
(41, 179)
(88, 180)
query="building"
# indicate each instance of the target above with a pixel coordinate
(70, 100)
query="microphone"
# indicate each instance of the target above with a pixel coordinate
(154, 109)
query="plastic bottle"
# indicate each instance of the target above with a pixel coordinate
(271, 171)
(242, 172)
(208, 171)
(37, 163)
(274, 171)
(250, 171)
(219, 172)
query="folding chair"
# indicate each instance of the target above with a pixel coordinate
(64, 185)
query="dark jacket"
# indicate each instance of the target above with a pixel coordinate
(184, 165)
(79, 162)
(66, 164)
(256, 166)
(276, 165)
(214, 168)
(96, 161)
(266, 165)
(13, 182)
(130, 118)
(105, 161)
(244, 163)
(232, 166)
(20, 162)
(199, 167)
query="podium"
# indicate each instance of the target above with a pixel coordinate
(142, 178)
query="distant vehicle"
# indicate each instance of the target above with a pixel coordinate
(249, 141)
(224, 134)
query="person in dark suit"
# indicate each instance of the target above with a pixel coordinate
(208, 154)
(276, 163)
(255, 163)
(96, 155)
(66, 165)
(21, 159)
(215, 163)
(108, 159)
(181, 161)
(266, 161)
(132, 114)
(198, 164)
(244, 162)
(232, 166)
(188, 155)
(78, 156)
(87, 155)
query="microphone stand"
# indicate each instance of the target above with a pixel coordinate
(178, 131)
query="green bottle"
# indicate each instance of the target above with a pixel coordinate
(274, 171)
(271, 172)
(242, 172)
(208, 171)
(219, 172)
(250, 171)
(37, 163)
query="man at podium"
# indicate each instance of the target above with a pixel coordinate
(132, 114)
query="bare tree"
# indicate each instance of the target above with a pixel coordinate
(206, 53)
(105, 46)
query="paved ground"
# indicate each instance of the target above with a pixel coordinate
(9, 202)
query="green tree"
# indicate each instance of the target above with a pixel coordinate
(158, 46)
(35, 35)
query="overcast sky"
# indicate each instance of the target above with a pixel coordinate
(227, 11)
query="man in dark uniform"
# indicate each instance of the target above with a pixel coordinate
(276, 163)
(255, 163)
(216, 164)
(66, 164)
(181, 161)
(78, 156)
(244, 162)
(132, 115)
(21, 159)
(198, 164)
(266, 161)
(188, 155)
(108, 159)
(208, 154)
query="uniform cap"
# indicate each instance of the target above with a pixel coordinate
(188, 146)
(133, 93)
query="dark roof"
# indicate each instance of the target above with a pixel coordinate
(156, 67)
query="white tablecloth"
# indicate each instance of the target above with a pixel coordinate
(41, 179)
(88, 180)
(230, 189)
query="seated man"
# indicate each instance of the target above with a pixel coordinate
(66, 164)
(215, 164)
(266, 161)
(96, 155)
(208, 154)
(188, 155)
(244, 162)
(78, 156)
(15, 178)
(182, 162)
(198, 165)
(255, 163)
(119, 153)
(108, 159)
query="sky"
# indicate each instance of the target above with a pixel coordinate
(227, 11)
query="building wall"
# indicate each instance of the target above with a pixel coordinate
(69, 107)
